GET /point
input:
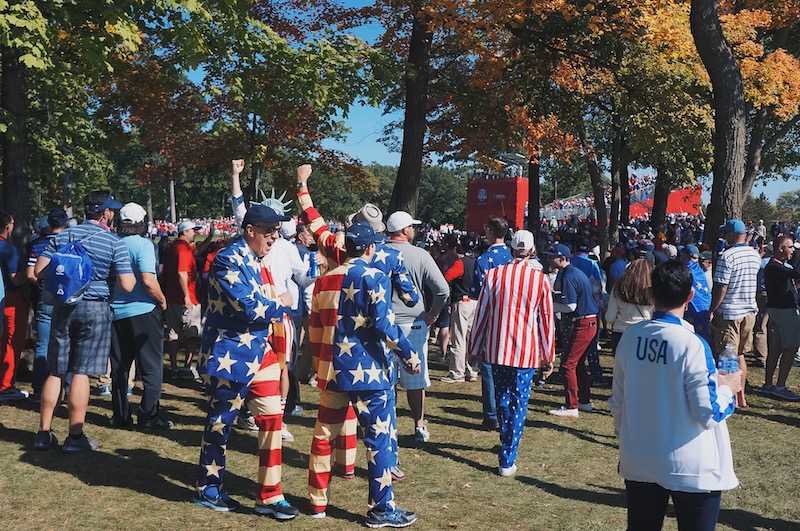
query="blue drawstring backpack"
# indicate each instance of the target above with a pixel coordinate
(69, 273)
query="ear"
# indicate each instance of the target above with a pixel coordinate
(690, 297)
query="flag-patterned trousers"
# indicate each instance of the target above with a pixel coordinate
(512, 389)
(375, 411)
(263, 398)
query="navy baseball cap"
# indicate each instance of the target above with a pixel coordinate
(361, 235)
(110, 202)
(584, 245)
(734, 225)
(558, 249)
(259, 213)
(57, 217)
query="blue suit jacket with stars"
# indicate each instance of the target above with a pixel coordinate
(242, 310)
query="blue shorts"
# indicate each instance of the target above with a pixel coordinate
(417, 335)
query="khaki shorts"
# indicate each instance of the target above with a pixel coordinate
(737, 332)
(784, 328)
(182, 323)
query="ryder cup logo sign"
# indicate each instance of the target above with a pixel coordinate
(482, 195)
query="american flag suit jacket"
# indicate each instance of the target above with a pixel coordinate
(352, 332)
(244, 316)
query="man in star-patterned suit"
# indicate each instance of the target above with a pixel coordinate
(242, 351)
(353, 343)
(388, 260)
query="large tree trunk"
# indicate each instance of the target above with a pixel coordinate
(663, 187)
(406, 188)
(16, 196)
(534, 187)
(729, 115)
(597, 188)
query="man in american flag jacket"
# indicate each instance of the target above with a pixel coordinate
(388, 260)
(243, 347)
(514, 331)
(353, 343)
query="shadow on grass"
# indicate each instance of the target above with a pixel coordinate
(763, 414)
(614, 498)
(451, 395)
(448, 451)
(138, 469)
(739, 519)
(584, 435)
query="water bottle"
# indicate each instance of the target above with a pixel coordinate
(728, 360)
(313, 266)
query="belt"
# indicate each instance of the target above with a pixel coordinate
(585, 317)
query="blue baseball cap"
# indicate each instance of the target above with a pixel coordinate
(259, 213)
(110, 202)
(361, 235)
(558, 249)
(647, 245)
(734, 225)
(691, 250)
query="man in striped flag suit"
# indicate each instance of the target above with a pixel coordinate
(353, 344)
(514, 329)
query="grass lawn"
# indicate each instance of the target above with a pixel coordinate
(566, 480)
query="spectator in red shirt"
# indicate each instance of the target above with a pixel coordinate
(183, 307)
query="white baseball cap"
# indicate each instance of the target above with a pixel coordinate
(132, 213)
(522, 240)
(400, 220)
(288, 228)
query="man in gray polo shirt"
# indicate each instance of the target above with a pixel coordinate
(733, 299)
(414, 321)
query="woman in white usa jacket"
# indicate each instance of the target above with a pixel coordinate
(669, 405)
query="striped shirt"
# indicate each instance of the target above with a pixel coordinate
(514, 322)
(738, 268)
(105, 249)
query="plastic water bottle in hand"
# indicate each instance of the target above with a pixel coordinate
(728, 360)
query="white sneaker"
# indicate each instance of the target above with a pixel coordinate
(586, 408)
(506, 472)
(246, 422)
(286, 435)
(564, 412)
(421, 434)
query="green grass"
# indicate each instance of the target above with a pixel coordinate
(566, 480)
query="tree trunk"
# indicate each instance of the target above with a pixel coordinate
(251, 192)
(16, 196)
(406, 188)
(534, 174)
(625, 192)
(173, 215)
(729, 115)
(663, 185)
(616, 179)
(597, 189)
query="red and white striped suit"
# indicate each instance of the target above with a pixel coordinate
(514, 323)
(514, 329)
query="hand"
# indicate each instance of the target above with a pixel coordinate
(733, 381)
(212, 228)
(237, 166)
(286, 299)
(409, 370)
(303, 173)
(319, 259)
(430, 318)
(548, 370)
(187, 302)
(163, 305)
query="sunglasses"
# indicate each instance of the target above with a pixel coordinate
(267, 230)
